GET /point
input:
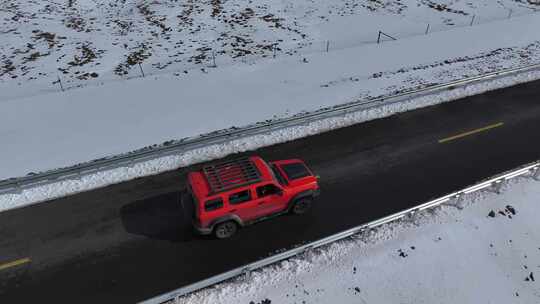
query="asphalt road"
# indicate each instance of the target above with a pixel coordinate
(126, 243)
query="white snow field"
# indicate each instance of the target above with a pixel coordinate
(43, 129)
(487, 252)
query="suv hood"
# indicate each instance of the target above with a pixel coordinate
(295, 171)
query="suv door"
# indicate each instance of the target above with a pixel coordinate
(269, 199)
(242, 204)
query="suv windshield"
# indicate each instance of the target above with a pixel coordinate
(295, 170)
(278, 175)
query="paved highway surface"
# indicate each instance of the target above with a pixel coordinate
(127, 242)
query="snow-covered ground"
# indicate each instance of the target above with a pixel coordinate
(486, 252)
(105, 40)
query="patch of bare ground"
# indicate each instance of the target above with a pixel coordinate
(396, 7)
(153, 19)
(137, 56)
(441, 7)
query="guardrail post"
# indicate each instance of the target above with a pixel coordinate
(497, 186)
(456, 201)
(246, 272)
(412, 216)
(536, 174)
(361, 230)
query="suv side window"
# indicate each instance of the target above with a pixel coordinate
(240, 197)
(267, 190)
(213, 204)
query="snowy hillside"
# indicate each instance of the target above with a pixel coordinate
(488, 252)
(89, 41)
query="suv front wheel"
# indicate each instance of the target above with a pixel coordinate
(302, 205)
(225, 230)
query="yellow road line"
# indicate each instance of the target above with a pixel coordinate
(14, 263)
(471, 132)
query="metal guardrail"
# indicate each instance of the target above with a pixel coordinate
(495, 183)
(177, 147)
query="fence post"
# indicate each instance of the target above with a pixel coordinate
(214, 59)
(142, 72)
(427, 29)
(327, 45)
(472, 21)
(510, 13)
(381, 33)
(59, 81)
(274, 47)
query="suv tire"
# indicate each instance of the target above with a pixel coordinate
(225, 230)
(301, 206)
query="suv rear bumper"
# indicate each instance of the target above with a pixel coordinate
(202, 230)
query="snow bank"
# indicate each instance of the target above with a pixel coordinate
(488, 252)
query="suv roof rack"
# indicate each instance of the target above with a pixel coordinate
(232, 174)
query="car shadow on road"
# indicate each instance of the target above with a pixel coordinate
(160, 217)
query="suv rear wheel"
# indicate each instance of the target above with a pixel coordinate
(225, 230)
(301, 205)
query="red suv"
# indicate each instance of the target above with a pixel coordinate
(237, 193)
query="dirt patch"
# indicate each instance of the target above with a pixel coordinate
(396, 7)
(87, 55)
(217, 8)
(153, 19)
(6, 67)
(34, 56)
(76, 23)
(270, 18)
(134, 58)
(124, 27)
(50, 38)
(441, 7)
